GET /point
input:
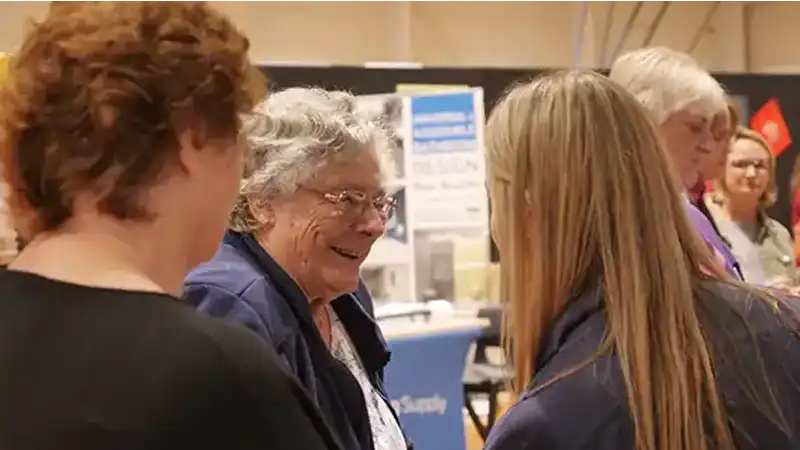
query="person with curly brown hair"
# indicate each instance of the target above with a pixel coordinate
(119, 135)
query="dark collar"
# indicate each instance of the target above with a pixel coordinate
(361, 327)
(577, 311)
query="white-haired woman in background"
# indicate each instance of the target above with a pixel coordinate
(311, 205)
(683, 98)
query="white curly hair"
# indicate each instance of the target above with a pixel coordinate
(295, 133)
(666, 81)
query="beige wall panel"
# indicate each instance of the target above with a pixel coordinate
(775, 36)
(721, 47)
(335, 32)
(544, 34)
(328, 32)
(504, 34)
(14, 16)
(494, 34)
(489, 34)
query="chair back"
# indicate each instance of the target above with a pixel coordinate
(491, 335)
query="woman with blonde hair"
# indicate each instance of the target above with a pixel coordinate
(743, 192)
(625, 333)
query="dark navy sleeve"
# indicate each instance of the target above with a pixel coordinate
(218, 302)
(523, 427)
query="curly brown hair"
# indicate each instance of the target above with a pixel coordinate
(98, 95)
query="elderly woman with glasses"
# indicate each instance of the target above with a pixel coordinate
(310, 207)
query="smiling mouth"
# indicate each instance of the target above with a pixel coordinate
(345, 253)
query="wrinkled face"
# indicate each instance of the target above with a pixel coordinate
(747, 170)
(688, 138)
(322, 233)
(712, 164)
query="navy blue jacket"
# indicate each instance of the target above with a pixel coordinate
(242, 283)
(588, 409)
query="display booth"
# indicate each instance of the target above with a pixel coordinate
(424, 381)
(436, 246)
(751, 91)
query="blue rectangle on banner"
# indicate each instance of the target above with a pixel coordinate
(444, 123)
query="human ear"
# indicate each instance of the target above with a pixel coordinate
(262, 211)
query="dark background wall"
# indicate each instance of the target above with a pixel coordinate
(756, 89)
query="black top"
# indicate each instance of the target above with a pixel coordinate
(89, 368)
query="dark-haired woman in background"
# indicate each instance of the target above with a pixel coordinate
(625, 331)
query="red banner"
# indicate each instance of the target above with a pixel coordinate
(770, 123)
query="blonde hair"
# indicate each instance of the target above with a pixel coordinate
(581, 193)
(771, 193)
(666, 81)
